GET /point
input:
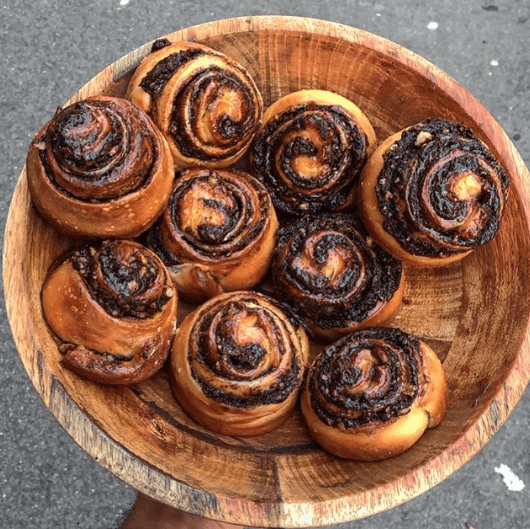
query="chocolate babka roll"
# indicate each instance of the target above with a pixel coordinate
(433, 193)
(335, 276)
(112, 309)
(237, 363)
(100, 168)
(310, 150)
(217, 233)
(372, 394)
(205, 103)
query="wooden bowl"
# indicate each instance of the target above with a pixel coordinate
(475, 313)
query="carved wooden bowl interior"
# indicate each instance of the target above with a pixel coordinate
(475, 314)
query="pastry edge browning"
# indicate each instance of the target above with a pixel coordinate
(220, 417)
(140, 346)
(320, 97)
(379, 442)
(374, 220)
(160, 108)
(382, 314)
(242, 271)
(122, 217)
(236, 422)
(200, 277)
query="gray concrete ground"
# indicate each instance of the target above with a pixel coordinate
(49, 49)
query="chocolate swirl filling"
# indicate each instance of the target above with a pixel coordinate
(366, 378)
(310, 157)
(216, 107)
(157, 78)
(328, 268)
(212, 214)
(97, 151)
(441, 191)
(242, 354)
(126, 279)
(214, 114)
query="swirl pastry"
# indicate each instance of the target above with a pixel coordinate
(337, 278)
(310, 150)
(204, 102)
(217, 232)
(112, 308)
(372, 394)
(432, 193)
(100, 168)
(237, 363)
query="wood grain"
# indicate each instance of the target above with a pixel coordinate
(474, 313)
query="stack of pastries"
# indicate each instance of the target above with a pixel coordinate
(282, 227)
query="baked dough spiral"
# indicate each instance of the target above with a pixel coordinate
(100, 168)
(112, 308)
(217, 233)
(433, 193)
(310, 150)
(205, 103)
(372, 394)
(335, 275)
(237, 363)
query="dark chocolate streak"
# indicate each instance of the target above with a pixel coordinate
(151, 239)
(125, 280)
(155, 80)
(214, 345)
(408, 167)
(344, 154)
(97, 151)
(350, 296)
(341, 368)
(159, 44)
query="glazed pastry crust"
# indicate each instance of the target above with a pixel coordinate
(375, 442)
(121, 216)
(374, 220)
(463, 187)
(102, 346)
(310, 150)
(239, 402)
(217, 233)
(369, 208)
(382, 314)
(335, 276)
(205, 103)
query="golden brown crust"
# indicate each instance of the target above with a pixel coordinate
(112, 308)
(217, 233)
(100, 168)
(205, 103)
(435, 399)
(335, 276)
(382, 314)
(432, 193)
(372, 395)
(237, 364)
(310, 150)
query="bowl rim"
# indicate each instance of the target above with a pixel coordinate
(119, 461)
